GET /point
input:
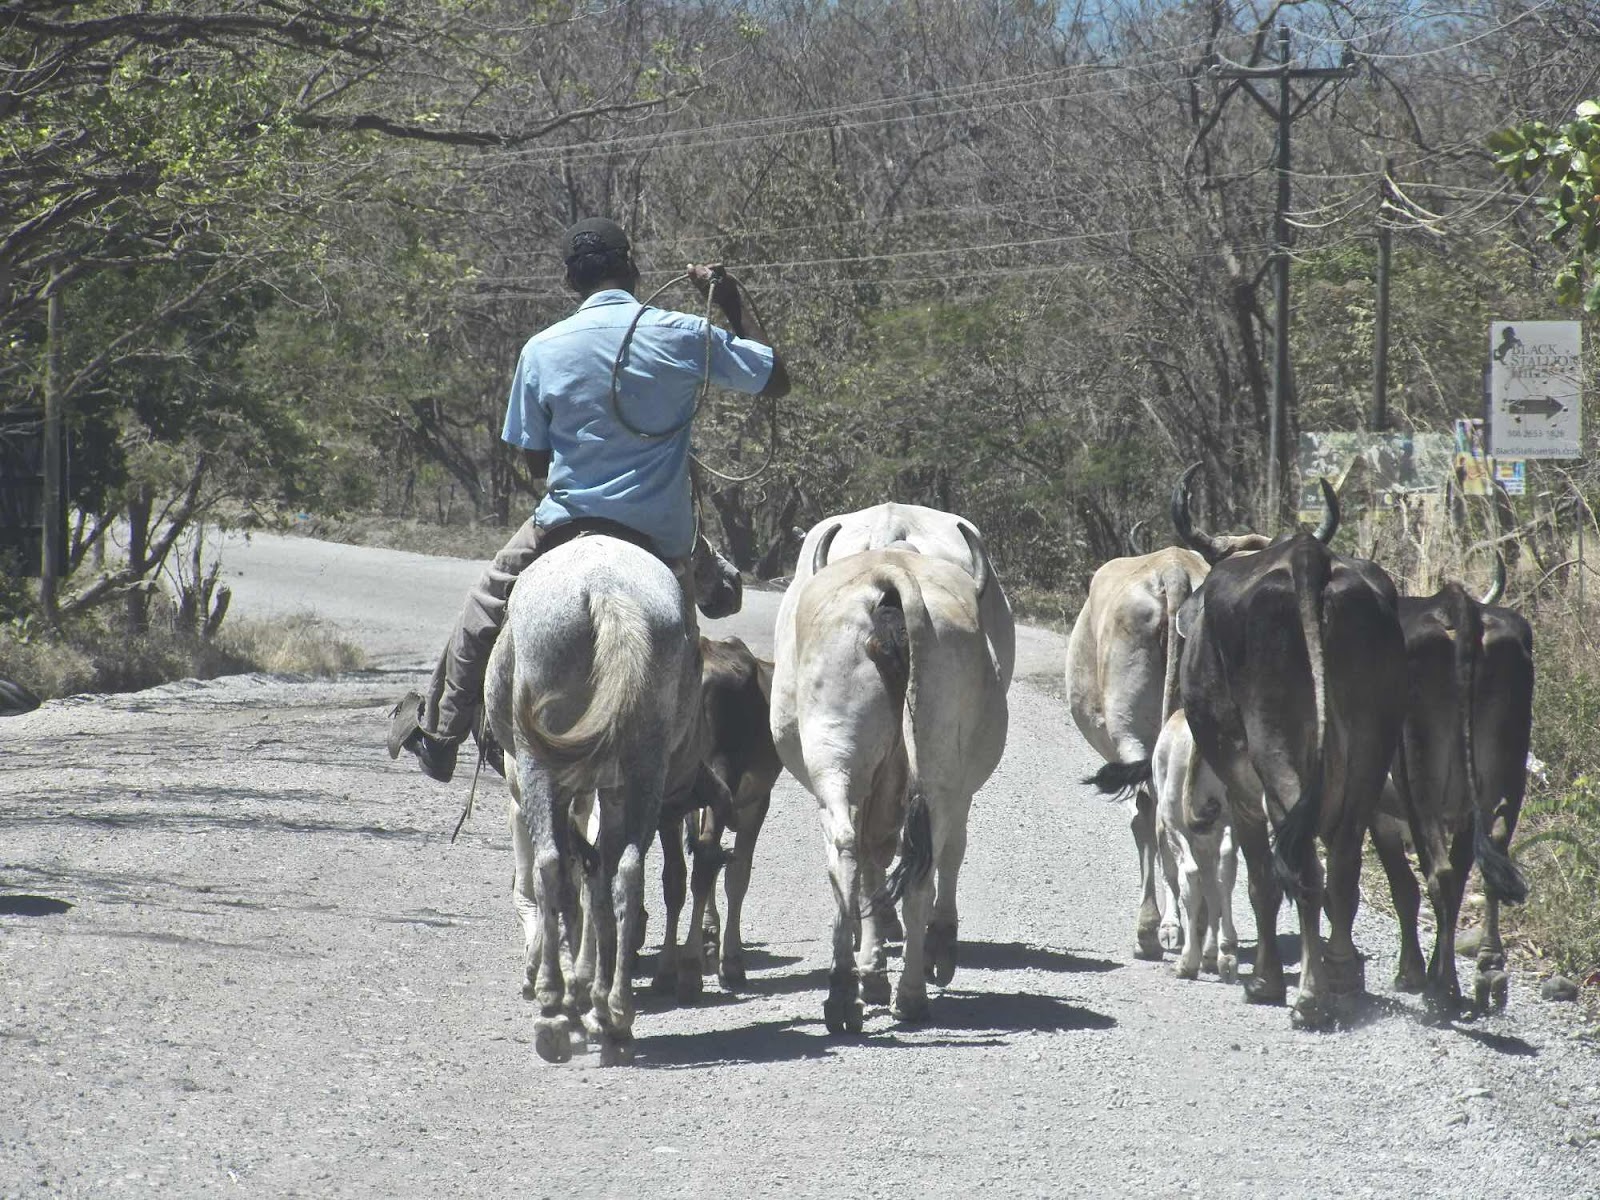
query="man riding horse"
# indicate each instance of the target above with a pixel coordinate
(602, 405)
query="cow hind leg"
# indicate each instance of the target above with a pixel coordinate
(1172, 929)
(736, 883)
(1265, 984)
(943, 938)
(1147, 926)
(1191, 902)
(872, 959)
(1445, 886)
(1228, 936)
(1411, 973)
(911, 995)
(674, 881)
(1340, 973)
(842, 1011)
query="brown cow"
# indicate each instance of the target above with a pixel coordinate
(733, 789)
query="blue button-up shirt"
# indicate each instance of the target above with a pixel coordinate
(561, 402)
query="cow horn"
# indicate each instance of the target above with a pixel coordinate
(1498, 587)
(1195, 539)
(1134, 538)
(819, 557)
(1330, 523)
(980, 561)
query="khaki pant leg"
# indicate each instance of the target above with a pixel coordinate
(455, 693)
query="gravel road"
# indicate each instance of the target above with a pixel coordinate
(240, 956)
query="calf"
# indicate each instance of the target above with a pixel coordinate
(1458, 781)
(734, 789)
(1196, 847)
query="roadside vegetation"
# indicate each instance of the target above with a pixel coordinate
(1018, 256)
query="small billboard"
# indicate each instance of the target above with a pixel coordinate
(1535, 393)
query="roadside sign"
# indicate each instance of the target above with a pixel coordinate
(1534, 389)
(1511, 476)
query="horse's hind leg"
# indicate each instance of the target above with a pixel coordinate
(540, 812)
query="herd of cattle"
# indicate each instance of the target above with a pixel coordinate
(1245, 693)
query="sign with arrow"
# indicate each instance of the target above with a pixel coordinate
(1535, 397)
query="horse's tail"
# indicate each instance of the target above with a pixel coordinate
(618, 681)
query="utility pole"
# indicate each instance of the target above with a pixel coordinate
(1380, 336)
(1284, 111)
(51, 568)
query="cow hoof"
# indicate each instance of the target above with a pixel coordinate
(1309, 1014)
(1499, 989)
(1227, 968)
(530, 990)
(551, 1040)
(1410, 978)
(1491, 960)
(875, 987)
(911, 1007)
(1148, 947)
(708, 957)
(889, 927)
(843, 1015)
(731, 974)
(1261, 991)
(616, 1049)
(1171, 936)
(940, 947)
(1186, 970)
(690, 985)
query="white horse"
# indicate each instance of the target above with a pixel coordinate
(594, 684)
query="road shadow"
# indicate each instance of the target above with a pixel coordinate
(1018, 956)
(1288, 950)
(1012, 1012)
(1500, 1043)
(790, 1040)
(24, 905)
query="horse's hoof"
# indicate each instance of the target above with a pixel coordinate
(875, 987)
(911, 1007)
(551, 1040)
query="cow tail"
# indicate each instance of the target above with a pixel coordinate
(1501, 878)
(889, 648)
(1121, 779)
(617, 680)
(1175, 586)
(1309, 568)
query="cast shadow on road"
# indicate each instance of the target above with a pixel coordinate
(207, 820)
(23, 905)
(1288, 950)
(956, 1019)
(1021, 956)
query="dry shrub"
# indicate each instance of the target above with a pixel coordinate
(293, 645)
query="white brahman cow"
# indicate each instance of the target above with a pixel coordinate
(888, 705)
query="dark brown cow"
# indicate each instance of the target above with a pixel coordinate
(734, 789)
(1293, 679)
(1459, 780)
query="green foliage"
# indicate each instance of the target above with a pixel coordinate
(1567, 158)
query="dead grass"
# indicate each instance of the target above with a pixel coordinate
(417, 537)
(95, 654)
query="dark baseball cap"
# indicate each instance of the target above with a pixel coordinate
(593, 235)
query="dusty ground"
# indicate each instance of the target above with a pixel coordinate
(239, 956)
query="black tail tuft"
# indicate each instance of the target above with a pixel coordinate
(1292, 841)
(1121, 779)
(916, 856)
(1500, 875)
(889, 646)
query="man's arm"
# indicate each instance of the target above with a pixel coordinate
(743, 321)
